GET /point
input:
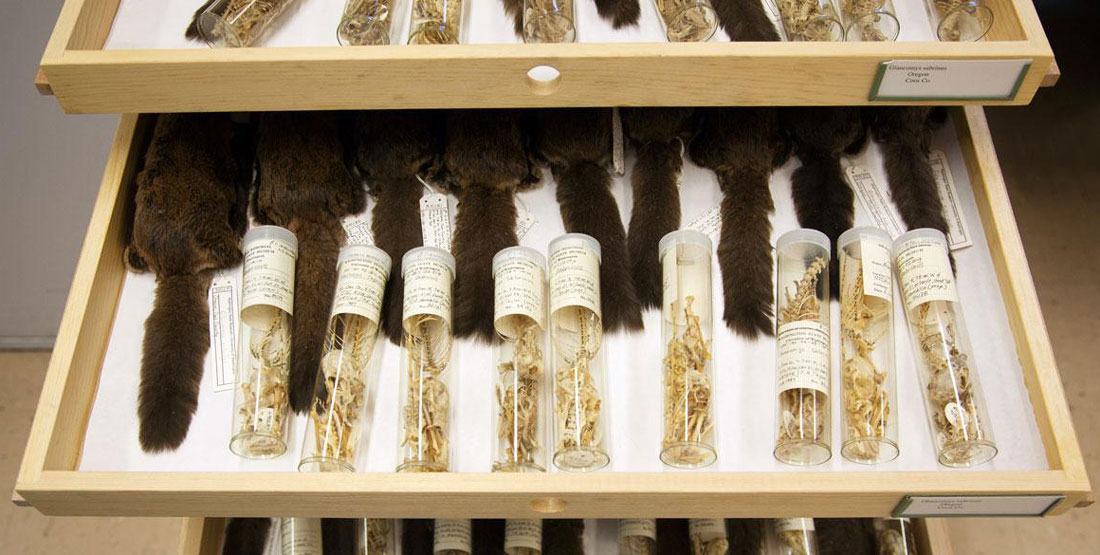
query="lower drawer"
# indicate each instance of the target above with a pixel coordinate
(52, 479)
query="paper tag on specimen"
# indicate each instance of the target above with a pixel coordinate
(617, 156)
(707, 529)
(525, 220)
(360, 283)
(268, 277)
(878, 275)
(574, 279)
(874, 200)
(958, 233)
(358, 230)
(645, 527)
(803, 356)
(709, 222)
(519, 290)
(428, 283)
(222, 302)
(773, 14)
(976, 505)
(924, 272)
(452, 535)
(949, 79)
(435, 221)
(522, 534)
(789, 524)
(301, 536)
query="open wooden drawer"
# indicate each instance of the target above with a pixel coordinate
(87, 76)
(203, 536)
(51, 478)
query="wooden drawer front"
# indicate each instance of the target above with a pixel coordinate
(50, 481)
(85, 77)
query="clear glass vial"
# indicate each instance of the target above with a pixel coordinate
(549, 21)
(869, 20)
(688, 336)
(425, 353)
(687, 20)
(803, 359)
(522, 536)
(365, 22)
(436, 21)
(378, 537)
(239, 23)
(519, 277)
(959, 20)
(452, 537)
(795, 536)
(868, 378)
(810, 20)
(708, 536)
(894, 536)
(338, 412)
(577, 335)
(261, 393)
(300, 536)
(961, 430)
(637, 536)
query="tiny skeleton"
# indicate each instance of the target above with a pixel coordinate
(245, 20)
(952, 13)
(808, 20)
(576, 400)
(868, 26)
(426, 408)
(264, 388)
(519, 402)
(338, 408)
(366, 22)
(862, 323)
(803, 409)
(687, 20)
(794, 542)
(713, 546)
(436, 21)
(548, 21)
(378, 536)
(687, 390)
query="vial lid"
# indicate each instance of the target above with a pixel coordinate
(576, 240)
(263, 232)
(804, 235)
(427, 253)
(512, 253)
(856, 233)
(920, 233)
(684, 236)
(361, 251)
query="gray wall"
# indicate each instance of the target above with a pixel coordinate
(50, 166)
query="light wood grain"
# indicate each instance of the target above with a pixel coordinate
(932, 537)
(201, 536)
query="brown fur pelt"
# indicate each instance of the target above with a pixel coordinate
(845, 536)
(193, 32)
(417, 536)
(742, 146)
(488, 537)
(905, 136)
(484, 161)
(673, 536)
(656, 134)
(341, 536)
(745, 20)
(576, 142)
(246, 536)
(514, 8)
(823, 200)
(619, 12)
(187, 224)
(305, 186)
(394, 146)
(563, 537)
(746, 535)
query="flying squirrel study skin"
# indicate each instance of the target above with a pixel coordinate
(563, 536)
(657, 136)
(905, 136)
(742, 146)
(485, 160)
(576, 143)
(304, 185)
(394, 146)
(189, 214)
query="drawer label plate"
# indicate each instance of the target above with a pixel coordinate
(949, 79)
(914, 506)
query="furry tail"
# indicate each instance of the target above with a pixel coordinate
(514, 8)
(673, 536)
(417, 536)
(912, 185)
(745, 20)
(824, 201)
(340, 536)
(246, 536)
(588, 207)
(746, 535)
(395, 224)
(314, 283)
(177, 336)
(193, 32)
(745, 252)
(656, 212)
(488, 536)
(563, 537)
(486, 223)
(619, 12)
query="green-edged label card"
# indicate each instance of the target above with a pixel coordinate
(935, 506)
(948, 79)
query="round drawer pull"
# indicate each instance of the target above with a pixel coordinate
(543, 79)
(548, 505)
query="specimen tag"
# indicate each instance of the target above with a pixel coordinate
(428, 283)
(803, 356)
(709, 222)
(452, 535)
(268, 279)
(224, 325)
(525, 220)
(361, 280)
(645, 527)
(301, 536)
(617, 156)
(706, 529)
(975, 505)
(358, 230)
(878, 278)
(773, 14)
(873, 200)
(924, 271)
(791, 524)
(949, 79)
(958, 234)
(685, 270)
(435, 221)
(574, 278)
(522, 534)
(519, 290)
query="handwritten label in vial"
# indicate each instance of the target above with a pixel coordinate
(924, 271)
(428, 287)
(645, 527)
(878, 275)
(519, 289)
(574, 279)
(452, 535)
(522, 534)
(803, 356)
(301, 536)
(791, 524)
(268, 278)
(361, 281)
(707, 529)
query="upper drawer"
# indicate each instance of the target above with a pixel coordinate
(82, 456)
(85, 72)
